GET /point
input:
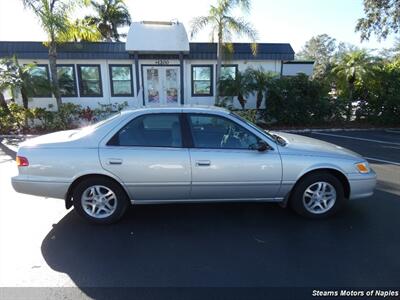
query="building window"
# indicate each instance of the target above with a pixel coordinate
(229, 71)
(121, 80)
(90, 81)
(66, 80)
(202, 80)
(40, 81)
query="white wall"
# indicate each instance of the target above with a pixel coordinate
(92, 102)
(267, 65)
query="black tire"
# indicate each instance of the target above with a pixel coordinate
(296, 199)
(121, 202)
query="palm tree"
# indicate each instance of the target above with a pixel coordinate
(238, 86)
(53, 16)
(25, 83)
(15, 76)
(8, 80)
(259, 83)
(111, 14)
(223, 26)
(80, 30)
(351, 68)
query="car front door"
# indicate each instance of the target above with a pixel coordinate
(148, 155)
(227, 165)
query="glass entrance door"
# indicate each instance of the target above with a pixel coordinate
(161, 85)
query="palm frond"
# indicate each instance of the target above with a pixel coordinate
(110, 15)
(241, 27)
(197, 24)
(80, 30)
(245, 5)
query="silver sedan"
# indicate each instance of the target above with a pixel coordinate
(188, 154)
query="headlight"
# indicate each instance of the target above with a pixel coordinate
(363, 167)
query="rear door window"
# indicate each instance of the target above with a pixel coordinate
(152, 130)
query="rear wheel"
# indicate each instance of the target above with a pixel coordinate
(318, 195)
(100, 200)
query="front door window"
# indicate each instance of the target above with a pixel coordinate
(161, 86)
(215, 132)
(171, 83)
(153, 86)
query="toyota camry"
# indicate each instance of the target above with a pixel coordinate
(188, 154)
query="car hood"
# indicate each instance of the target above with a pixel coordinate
(310, 146)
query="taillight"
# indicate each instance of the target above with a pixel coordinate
(22, 161)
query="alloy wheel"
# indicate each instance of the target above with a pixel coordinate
(99, 201)
(319, 197)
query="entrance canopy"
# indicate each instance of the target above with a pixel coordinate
(157, 37)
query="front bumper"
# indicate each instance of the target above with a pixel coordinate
(40, 188)
(362, 185)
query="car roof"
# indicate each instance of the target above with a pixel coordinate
(183, 108)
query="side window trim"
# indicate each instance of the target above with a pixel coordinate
(189, 126)
(107, 144)
(187, 138)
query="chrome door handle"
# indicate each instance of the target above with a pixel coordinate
(115, 161)
(203, 163)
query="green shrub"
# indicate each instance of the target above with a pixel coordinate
(249, 114)
(105, 110)
(39, 120)
(299, 101)
(379, 96)
(67, 116)
(6, 122)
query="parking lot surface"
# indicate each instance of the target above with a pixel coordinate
(209, 245)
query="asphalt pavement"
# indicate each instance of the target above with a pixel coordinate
(208, 245)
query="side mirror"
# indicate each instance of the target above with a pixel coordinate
(262, 146)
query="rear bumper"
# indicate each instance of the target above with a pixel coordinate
(40, 188)
(362, 185)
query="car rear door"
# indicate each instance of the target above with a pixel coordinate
(226, 164)
(149, 157)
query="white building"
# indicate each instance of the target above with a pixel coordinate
(156, 66)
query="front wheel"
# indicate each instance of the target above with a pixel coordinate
(100, 200)
(318, 195)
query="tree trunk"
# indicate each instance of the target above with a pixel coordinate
(24, 96)
(25, 105)
(242, 101)
(115, 32)
(53, 73)
(3, 103)
(259, 99)
(219, 63)
(349, 105)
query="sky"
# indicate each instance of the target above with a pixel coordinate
(280, 21)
